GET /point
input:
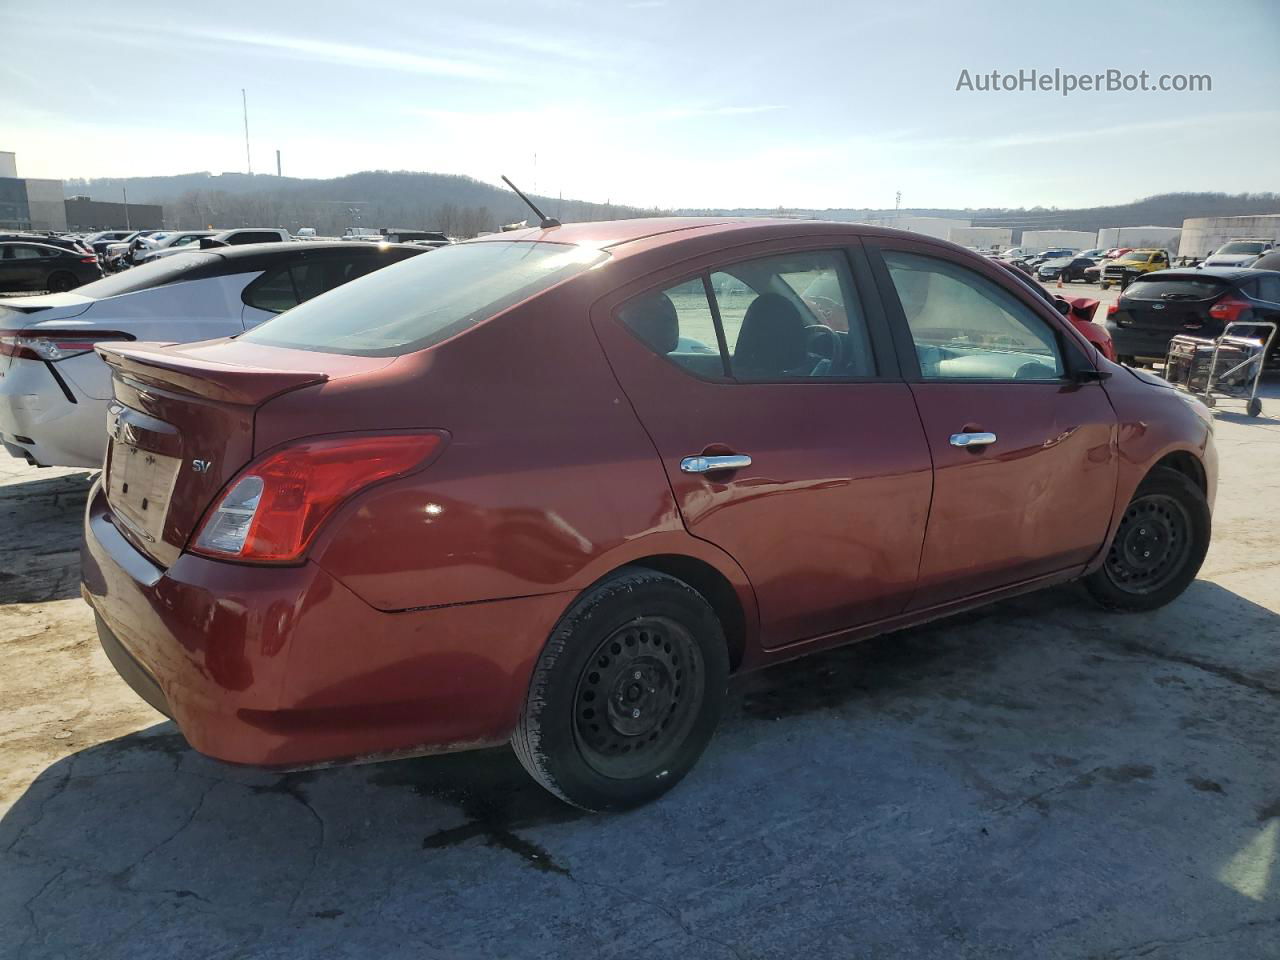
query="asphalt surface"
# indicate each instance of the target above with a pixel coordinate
(1039, 779)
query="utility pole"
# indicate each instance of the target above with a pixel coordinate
(278, 163)
(125, 193)
(244, 102)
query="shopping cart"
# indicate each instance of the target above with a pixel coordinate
(1225, 367)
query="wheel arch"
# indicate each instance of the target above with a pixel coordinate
(715, 589)
(1185, 463)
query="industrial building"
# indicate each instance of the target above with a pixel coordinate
(1035, 241)
(1163, 238)
(982, 238)
(1201, 236)
(27, 204)
(85, 214)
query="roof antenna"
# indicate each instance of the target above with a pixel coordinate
(545, 222)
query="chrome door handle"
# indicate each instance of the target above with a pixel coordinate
(972, 439)
(710, 464)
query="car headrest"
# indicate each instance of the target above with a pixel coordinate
(772, 338)
(654, 320)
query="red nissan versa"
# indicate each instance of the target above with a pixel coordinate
(554, 486)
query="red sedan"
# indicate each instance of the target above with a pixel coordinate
(555, 486)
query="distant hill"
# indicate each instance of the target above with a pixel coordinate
(462, 206)
(1166, 209)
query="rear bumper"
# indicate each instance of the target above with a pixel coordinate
(38, 417)
(286, 667)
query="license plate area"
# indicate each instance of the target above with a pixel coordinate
(139, 487)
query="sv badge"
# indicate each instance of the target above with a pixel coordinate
(201, 466)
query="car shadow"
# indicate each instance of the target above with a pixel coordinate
(1089, 738)
(40, 534)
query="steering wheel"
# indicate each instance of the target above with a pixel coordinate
(816, 332)
(1034, 370)
(829, 311)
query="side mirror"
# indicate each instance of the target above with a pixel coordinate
(1061, 306)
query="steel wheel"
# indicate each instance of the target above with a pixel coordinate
(635, 700)
(1151, 545)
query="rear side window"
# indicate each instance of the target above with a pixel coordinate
(1174, 288)
(424, 300)
(284, 287)
(253, 236)
(787, 317)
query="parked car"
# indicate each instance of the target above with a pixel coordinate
(1268, 261)
(1068, 268)
(1133, 264)
(228, 238)
(66, 243)
(1053, 253)
(1199, 301)
(1240, 252)
(40, 266)
(488, 494)
(98, 242)
(54, 390)
(173, 242)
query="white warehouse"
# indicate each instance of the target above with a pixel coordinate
(1034, 241)
(1164, 238)
(983, 238)
(1201, 236)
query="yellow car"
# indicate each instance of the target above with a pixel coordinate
(1132, 264)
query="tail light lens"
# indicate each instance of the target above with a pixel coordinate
(88, 259)
(273, 508)
(53, 345)
(1113, 308)
(1228, 309)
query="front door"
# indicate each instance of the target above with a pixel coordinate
(769, 387)
(1024, 454)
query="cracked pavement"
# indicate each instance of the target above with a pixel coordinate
(1039, 779)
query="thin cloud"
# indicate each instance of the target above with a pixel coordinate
(729, 111)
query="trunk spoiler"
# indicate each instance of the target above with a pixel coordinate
(156, 364)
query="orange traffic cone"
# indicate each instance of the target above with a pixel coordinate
(1059, 281)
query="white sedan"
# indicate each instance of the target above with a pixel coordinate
(54, 389)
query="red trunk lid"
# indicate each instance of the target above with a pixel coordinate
(182, 426)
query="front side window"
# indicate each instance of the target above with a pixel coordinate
(423, 300)
(787, 317)
(967, 327)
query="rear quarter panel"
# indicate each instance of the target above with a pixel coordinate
(548, 482)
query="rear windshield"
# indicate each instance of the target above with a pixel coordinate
(421, 301)
(1174, 288)
(148, 275)
(1243, 247)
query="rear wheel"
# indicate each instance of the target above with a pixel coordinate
(1254, 408)
(1158, 547)
(627, 693)
(62, 281)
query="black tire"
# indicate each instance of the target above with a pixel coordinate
(648, 653)
(1254, 409)
(61, 282)
(1158, 547)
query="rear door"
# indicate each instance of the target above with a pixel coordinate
(777, 359)
(1024, 457)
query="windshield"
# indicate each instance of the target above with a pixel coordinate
(1162, 287)
(424, 300)
(148, 275)
(1243, 247)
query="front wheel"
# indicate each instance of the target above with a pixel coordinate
(1254, 408)
(1158, 547)
(626, 694)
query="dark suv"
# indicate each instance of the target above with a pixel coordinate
(1157, 307)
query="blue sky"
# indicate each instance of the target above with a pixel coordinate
(654, 102)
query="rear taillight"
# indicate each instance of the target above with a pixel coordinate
(1112, 308)
(50, 344)
(1228, 309)
(273, 508)
(88, 259)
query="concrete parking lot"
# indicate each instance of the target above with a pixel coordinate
(1036, 780)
